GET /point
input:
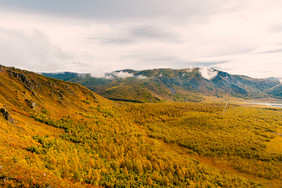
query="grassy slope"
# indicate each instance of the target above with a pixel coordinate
(76, 138)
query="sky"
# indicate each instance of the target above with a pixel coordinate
(99, 36)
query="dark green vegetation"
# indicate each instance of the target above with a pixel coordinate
(175, 85)
(276, 91)
(63, 135)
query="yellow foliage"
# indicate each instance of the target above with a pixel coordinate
(74, 138)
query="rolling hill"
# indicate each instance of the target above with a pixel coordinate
(60, 134)
(178, 85)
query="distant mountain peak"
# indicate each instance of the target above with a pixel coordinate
(178, 84)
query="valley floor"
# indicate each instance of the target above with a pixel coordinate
(119, 144)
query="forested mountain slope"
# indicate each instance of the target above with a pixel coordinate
(59, 134)
(174, 84)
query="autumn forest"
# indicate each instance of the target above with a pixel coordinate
(60, 134)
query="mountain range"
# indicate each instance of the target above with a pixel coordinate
(190, 84)
(55, 133)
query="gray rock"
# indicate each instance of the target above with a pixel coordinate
(7, 115)
(29, 84)
(31, 103)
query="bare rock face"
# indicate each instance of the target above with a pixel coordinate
(7, 115)
(29, 84)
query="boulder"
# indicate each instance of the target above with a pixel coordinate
(31, 103)
(7, 115)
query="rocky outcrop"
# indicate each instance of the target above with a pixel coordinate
(24, 79)
(7, 115)
(31, 103)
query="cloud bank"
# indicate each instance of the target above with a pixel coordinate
(238, 36)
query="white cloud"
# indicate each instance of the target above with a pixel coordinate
(122, 74)
(231, 36)
(141, 77)
(31, 51)
(208, 73)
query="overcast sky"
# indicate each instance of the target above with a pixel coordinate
(98, 36)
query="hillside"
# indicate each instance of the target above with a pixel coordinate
(276, 91)
(177, 85)
(28, 91)
(60, 134)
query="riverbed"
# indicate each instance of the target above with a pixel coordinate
(270, 104)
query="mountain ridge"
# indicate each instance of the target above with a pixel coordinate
(28, 91)
(190, 84)
(60, 134)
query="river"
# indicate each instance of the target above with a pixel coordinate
(270, 104)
